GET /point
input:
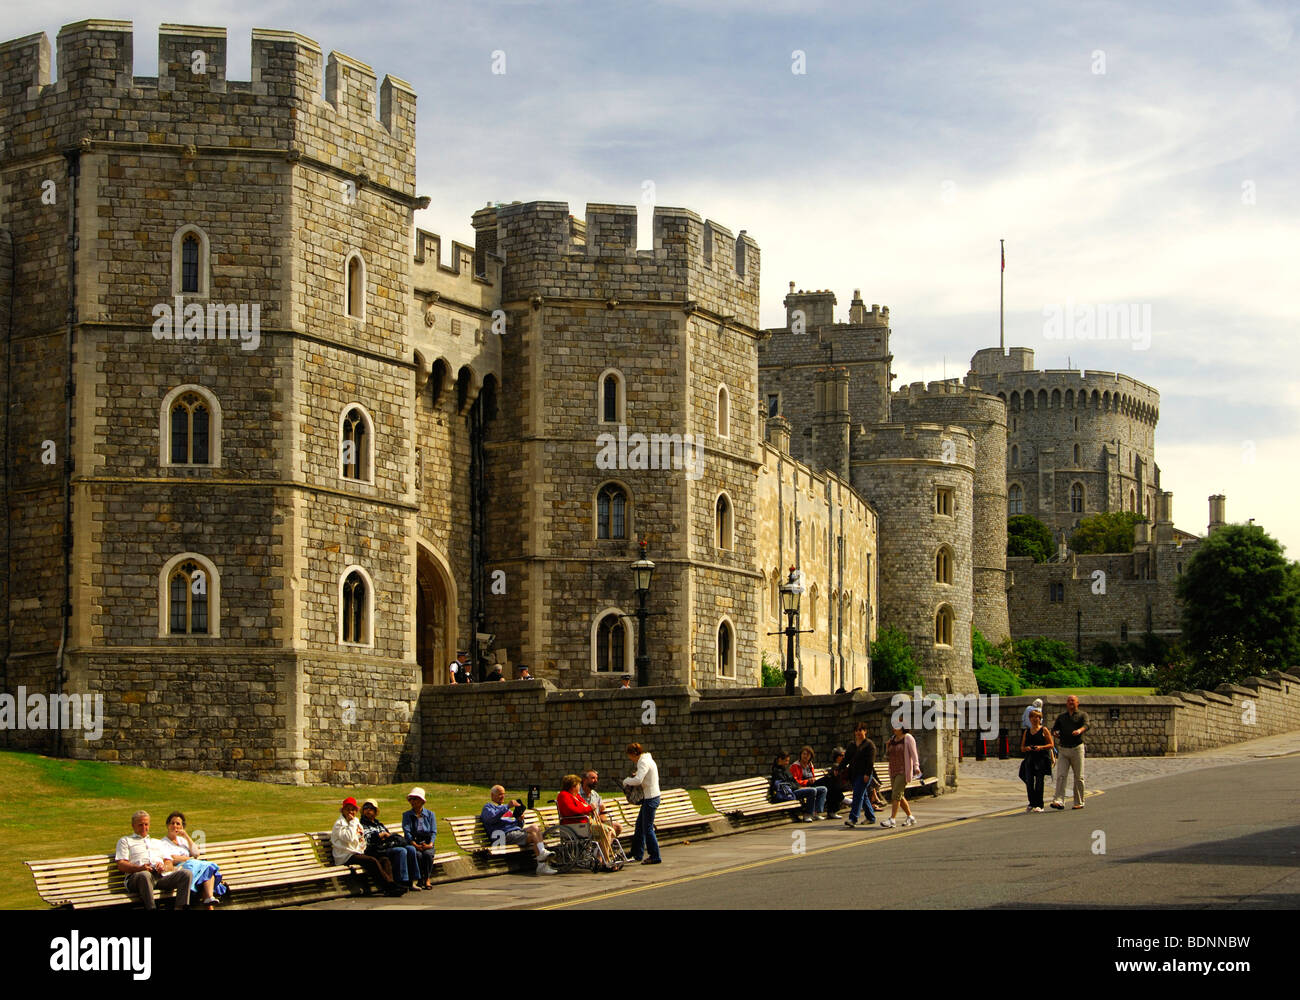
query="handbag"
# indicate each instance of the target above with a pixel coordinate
(635, 794)
(782, 791)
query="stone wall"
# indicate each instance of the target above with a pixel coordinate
(1182, 722)
(527, 732)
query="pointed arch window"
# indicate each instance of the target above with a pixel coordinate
(612, 397)
(1076, 498)
(1015, 500)
(611, 512)
(356, 433)
(354, 286)
(191, 259)
(611, 644)
(726, 650)
(724, 412)
(189, 597)
(723, 522)
(356, 601)
(943, 621)
(190, 264)
(943, 565)
(191, 425)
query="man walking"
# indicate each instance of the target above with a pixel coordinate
(1069, 727)
(860, 764)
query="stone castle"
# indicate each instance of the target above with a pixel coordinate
(270, 462)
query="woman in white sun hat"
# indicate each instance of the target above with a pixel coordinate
(421, 827)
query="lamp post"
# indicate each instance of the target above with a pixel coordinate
(790, 593)
(642, 570)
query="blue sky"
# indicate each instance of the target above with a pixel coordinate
(1140, 153)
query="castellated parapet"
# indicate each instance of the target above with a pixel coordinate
(985, 416)
(1078, 442)
(693, 261)
(921, 479)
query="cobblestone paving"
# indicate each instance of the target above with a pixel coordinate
(1110, 772)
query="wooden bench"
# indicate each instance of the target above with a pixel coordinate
(676, 812)
(922, 784)
(253, 865)
(747, 800)
(472, 838)
(326, 852)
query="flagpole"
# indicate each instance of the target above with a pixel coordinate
(1002, 300)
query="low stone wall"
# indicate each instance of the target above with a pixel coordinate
(521, 733)
(1158, 725)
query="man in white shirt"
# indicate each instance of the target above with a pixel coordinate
(147, 864)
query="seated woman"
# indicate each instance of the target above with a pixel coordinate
(574, 810)
(203, 873)
(420, 827)
(812, 797)
(380, 843)
(839, 784)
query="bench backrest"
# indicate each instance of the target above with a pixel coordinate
(735, 796)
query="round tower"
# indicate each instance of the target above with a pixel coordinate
(985, 416)
(921, 479)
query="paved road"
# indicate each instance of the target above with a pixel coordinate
(1218, 837)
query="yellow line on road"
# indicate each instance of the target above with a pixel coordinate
(909, 832)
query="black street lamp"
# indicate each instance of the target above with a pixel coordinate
(642, 571)
(791, 591)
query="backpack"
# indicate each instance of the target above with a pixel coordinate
(782, 791)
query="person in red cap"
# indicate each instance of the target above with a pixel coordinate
(349, 843)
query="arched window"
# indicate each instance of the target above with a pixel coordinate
(355, 441)
(722, 522)
(724, 412)
(1076, 498)
(1015, 500)
(611, 512)
(726, 658)
(776, 594)
(354, 280)
(811, 620)
(943, 565)
(189, 428)
(1132, 500)
(943, 626)
(1015, 456)
(189, 597)
(188, 600)
(1077, 453)
(190, 262)
(612, 398)
(356, 599)
(611, 641)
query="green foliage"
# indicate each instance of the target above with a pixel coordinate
(1226, 661)
(773, 676)
(892, 664)
(1150, 651)
(1110, 532)
(1028, 536)
(1241, 604)
(989, 663)
(1041, 657)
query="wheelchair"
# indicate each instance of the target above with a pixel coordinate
(573, 847)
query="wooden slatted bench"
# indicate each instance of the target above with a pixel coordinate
(746, 800)
(256, 865)
(478, 847)
(326, 853)
(677, 812)
(921, 784)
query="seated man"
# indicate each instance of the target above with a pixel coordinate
(147, 864)
(348, 841)
(593, 799)
(501, 820)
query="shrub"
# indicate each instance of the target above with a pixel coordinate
(993, 679)
(892, 665)
(1109, 532)
(1040, 657)
(773, 675)
(1028, 536)
(1225, 662)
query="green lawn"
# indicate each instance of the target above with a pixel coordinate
(67, 808)
(1062, 692)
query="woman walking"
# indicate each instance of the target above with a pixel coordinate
(645, 783)
(904, 765)
(1036, 744)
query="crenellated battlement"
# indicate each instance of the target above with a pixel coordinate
(1071, 388)
(550, 253)
(947, 400)
(357, 126)
(923, 441)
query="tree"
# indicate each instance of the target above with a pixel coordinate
(1028, 536)
(772, 674)
(892, 664)
(1241, 602)
(988, 663)
(1111, 532)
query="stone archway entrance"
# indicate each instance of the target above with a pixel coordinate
(433, 629)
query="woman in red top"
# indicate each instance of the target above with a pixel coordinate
(805, 776)
(571, 806)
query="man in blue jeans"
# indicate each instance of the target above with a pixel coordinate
(861, 763)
